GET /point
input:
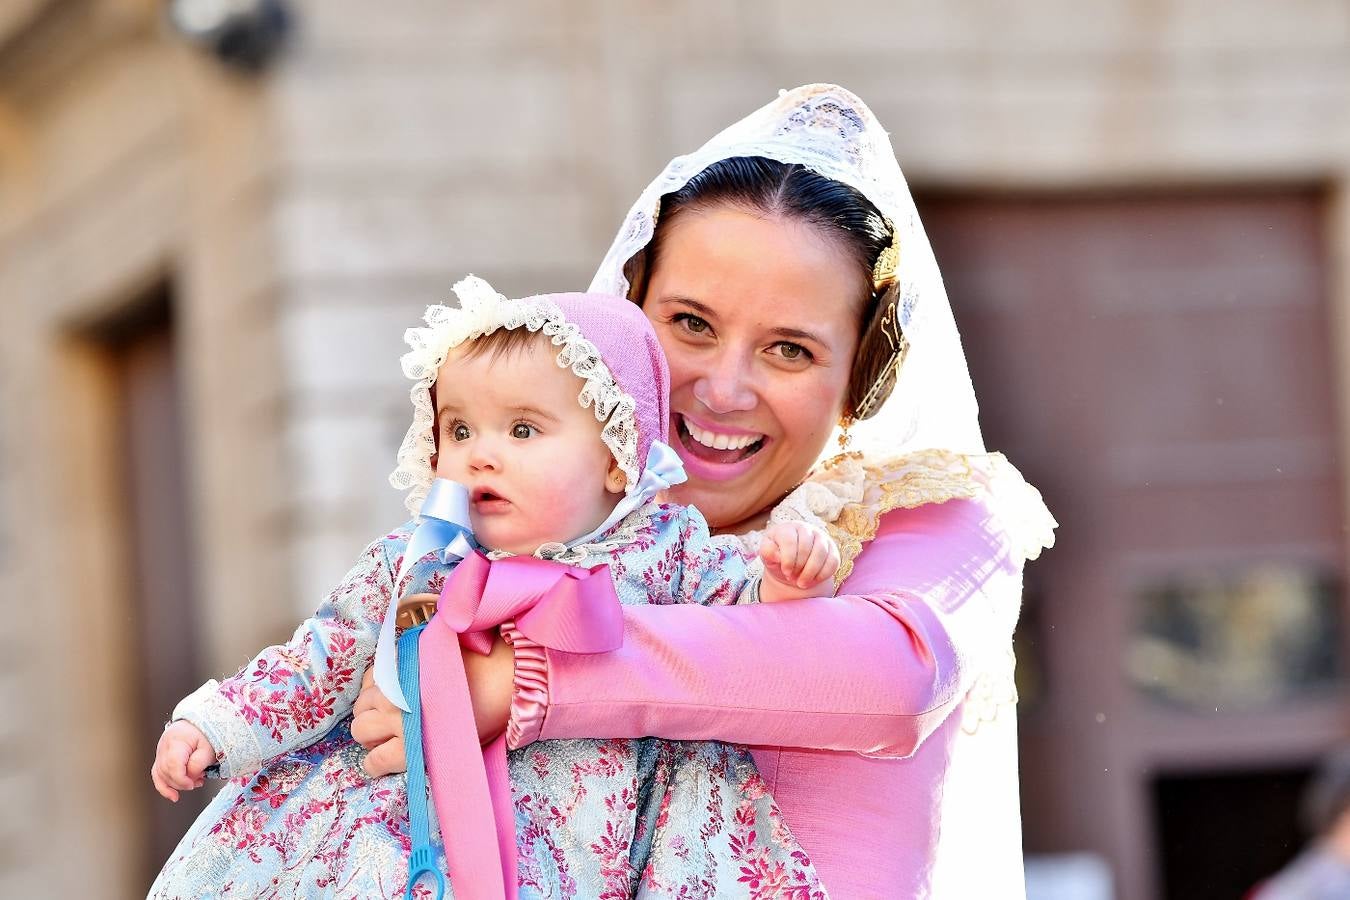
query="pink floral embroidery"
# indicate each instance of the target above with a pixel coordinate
(595, 818)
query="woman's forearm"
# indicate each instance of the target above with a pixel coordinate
(874, 670)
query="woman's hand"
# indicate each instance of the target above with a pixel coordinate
(491, 681)
(377, 724)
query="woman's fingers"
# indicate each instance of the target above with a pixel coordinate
(386, 759)
(369, 693)
(373, 727)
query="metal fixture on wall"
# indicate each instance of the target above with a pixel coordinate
(243, 34)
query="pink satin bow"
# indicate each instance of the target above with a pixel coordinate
(558, 606)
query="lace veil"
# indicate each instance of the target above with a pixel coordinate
(831, 131)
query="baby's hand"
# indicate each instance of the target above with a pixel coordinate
(797, 557)
(181, 760)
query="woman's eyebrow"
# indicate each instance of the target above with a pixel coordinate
(798, 334)
(704, 310)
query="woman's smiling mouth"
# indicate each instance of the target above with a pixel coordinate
(717, 446)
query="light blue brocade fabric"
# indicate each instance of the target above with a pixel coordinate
(594, 818)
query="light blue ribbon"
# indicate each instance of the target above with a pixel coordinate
(442, 526)
(422, 859)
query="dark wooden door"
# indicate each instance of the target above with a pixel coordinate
(1162, 368)
(159, 537)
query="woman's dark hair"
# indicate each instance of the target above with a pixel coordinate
(788, 189)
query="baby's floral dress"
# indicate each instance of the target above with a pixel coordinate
(594, 818)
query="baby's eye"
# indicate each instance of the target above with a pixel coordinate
(522, 430)
(460, 432)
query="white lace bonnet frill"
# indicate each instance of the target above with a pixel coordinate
(829, 130)
(605, 341)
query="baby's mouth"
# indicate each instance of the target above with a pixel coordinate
(488, 500)
(712, 446)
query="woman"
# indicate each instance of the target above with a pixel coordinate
(792, 288)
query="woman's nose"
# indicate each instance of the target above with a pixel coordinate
(726, 387)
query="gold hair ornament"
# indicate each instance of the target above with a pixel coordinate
(883, 279)
(883, 272)
(899, 345)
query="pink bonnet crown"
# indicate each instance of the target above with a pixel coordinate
(605, 341)
(628, 346)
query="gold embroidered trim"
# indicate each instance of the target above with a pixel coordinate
(906, 482)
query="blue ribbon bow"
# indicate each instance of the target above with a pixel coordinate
(443, 527)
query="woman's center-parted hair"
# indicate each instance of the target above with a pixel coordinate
(840, 212)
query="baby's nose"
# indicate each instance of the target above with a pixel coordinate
(483, 457)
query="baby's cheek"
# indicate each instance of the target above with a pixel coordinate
(557, 496)
(568, 505)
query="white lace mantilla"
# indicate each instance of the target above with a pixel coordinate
(482, 311)
(829, 130)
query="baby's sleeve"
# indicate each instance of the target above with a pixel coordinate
(715, 570)
(292, 694)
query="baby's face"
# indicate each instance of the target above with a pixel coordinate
(509, 428)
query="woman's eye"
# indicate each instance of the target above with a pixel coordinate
(460, 432)
(791, 351)
(692, 323)
(521, 430)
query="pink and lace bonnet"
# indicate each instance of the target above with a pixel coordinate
(605, 341)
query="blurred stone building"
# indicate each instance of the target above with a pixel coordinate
(1140, 207)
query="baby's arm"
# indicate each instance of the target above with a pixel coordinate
(181, 759)
(800, 560)
(288, 696)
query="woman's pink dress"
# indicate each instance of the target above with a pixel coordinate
(882, 718)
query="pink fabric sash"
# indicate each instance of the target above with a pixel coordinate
(558, 606)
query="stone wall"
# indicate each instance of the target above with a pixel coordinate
(127, 168)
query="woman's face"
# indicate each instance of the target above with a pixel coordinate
(759, 317)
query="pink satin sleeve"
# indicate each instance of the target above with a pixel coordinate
(874, 670)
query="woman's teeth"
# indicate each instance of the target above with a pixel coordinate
(720, 441)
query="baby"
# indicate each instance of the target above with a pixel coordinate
(552, 411)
